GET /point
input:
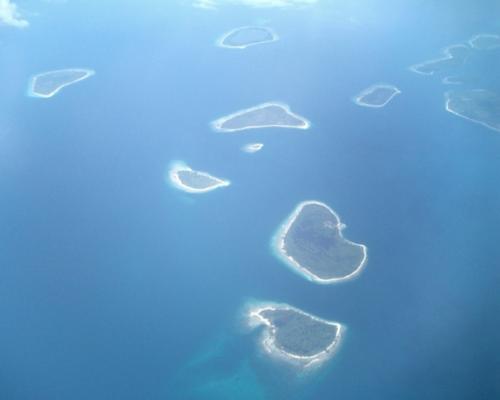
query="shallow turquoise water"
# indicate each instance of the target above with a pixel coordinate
(114, 285)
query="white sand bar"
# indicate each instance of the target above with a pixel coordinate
(266, 115)
(311, 243)
(452, 80)
(376, 96)
(293, 335)
(246, 36)
(48, 84)
(188, 180)
(252, 147)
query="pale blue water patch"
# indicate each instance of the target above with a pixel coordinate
(115, 285)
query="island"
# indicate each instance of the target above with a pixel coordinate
(184, 178)
(293, 335)
(477, 105)
(376, 96)
(453, 57)
(485, 41)
(252, 147)
(246, 36)
(311, 243)
(452, 80)
(266, 115)
(48, 84)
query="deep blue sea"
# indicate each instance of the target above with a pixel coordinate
(114, 285)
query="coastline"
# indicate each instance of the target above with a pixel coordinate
(278, 247)
(447, 107)
(358, 100)
(220, 41)
(447, 56)
(31, 88)
(218, 123)
(173, 177)
(255, 319)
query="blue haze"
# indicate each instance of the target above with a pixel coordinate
(113, 285)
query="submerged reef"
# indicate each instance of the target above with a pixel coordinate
(453, 57)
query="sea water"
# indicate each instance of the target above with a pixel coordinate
(115, 285)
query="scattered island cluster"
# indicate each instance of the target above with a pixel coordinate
(267, 115)
(310, 241)
(478, 105)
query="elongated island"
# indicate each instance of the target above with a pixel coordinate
(310, 242)
(266, 115)
(182, 177)
(48, 84)
(252, 147)
(293, 335)
(376, 96)
(246, 36)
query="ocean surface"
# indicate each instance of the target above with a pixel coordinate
(114, 285)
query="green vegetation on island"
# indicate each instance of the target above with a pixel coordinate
(300, 334)
(184, 178)
(312, 243)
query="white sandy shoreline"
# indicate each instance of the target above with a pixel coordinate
(450, 110)
(220, 41)
(369, 90)
(252, 147)
(278, 243)
(218, 123)
(447, 55)
(34, 78)
(174, 179)
(268, 339)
